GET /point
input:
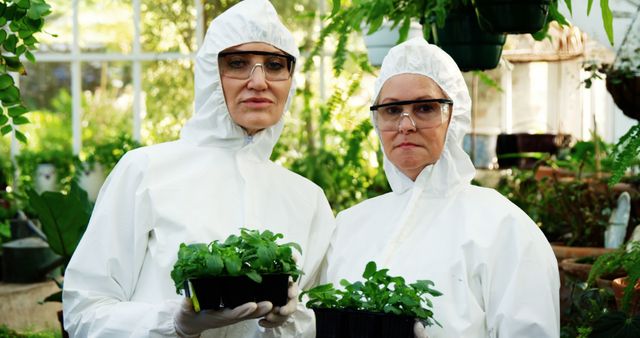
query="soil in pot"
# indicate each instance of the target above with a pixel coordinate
(232, 291)
(332, 323)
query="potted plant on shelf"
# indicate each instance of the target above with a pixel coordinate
(211, 274)
(625, 322)
(379, 306)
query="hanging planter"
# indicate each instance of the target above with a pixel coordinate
(512, 16)
(471, 47)
(625, 91)
(379, 42)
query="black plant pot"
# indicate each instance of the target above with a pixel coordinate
(28, 260)
(471, 47)
(527, 143)
(338, 323)
(231, 291)
(512, 16)
(625, 92)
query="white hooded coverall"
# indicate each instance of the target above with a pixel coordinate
(495, 268)
(201, 188)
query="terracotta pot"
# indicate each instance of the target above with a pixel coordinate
(618, 285)
(571, 267)
(563, 251)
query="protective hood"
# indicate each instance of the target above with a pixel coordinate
(211, 125)
(417, 56)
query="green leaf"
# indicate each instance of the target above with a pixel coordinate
(369, 270)
(10, 43)
(335, 7)
(6, 129)
(18, 120)
(64, 217)
(254, 276)
(607, 19)
(10, 95)
(38, 9)
(30, 56)
(20, 136)
(3, 119)
(568, 3)
(56, 297)
(233, 265)
(214, 265)
(6, 80)
(3, 35)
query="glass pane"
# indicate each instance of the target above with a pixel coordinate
(168, 97)
(46, 91)
(168, 26)
(106, 26)
(57, 35)
(107, 101)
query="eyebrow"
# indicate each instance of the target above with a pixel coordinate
(393, 99)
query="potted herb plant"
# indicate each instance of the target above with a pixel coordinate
(627, 260)
(210, 274)
(379, 306)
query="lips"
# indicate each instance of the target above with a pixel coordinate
(257, 102)
(405, 145)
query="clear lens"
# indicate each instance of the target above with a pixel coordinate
(425, 115)
(242, 65)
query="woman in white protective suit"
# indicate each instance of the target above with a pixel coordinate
(215, 179)
(496, 270)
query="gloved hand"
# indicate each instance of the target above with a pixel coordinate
(279, 315)
(419, 331)
(189, 323)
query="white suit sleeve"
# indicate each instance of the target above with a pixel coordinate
(522, 292)
(302, 322)
(103, 273)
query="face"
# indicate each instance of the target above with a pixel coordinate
(408, 148)
(255, 103)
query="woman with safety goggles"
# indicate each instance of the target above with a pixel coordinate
(214, 180)
(496, 271)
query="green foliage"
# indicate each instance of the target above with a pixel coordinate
(330, 135)
(615, 324)
(252, 254)
(63, 216)
(587, 305)
(379, 292)
(6, 332)
(21, 19)
(575, 211)
(109, 152)
(625, 154)
(621, 259)
(346, 19)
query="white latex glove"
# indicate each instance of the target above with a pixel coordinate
(280, 314)
(189, 323)
(419, 331)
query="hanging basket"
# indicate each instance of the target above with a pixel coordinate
(471, 47)
(512, 16)
(625, 92)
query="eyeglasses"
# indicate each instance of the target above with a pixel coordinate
(426, 113)
(240, 65)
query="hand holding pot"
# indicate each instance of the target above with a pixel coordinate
(419, 331)
(280, 314)
(189, 323)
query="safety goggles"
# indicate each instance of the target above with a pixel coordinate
(426, 114)
(241, 64)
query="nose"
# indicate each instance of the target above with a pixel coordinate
(257, 80)
(406, 123)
